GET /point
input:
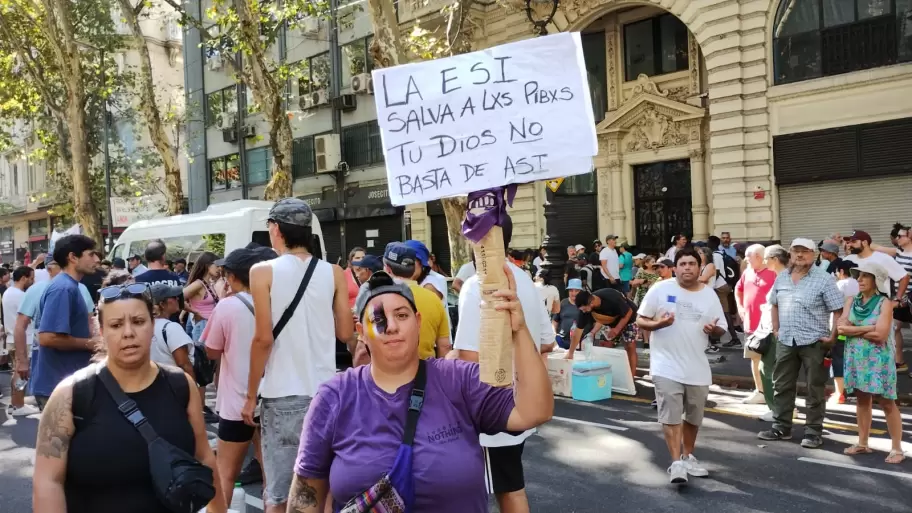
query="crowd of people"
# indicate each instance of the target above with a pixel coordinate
(120, 370)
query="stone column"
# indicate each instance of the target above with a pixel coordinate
(618, 215)
(604, 202)
(699, 205)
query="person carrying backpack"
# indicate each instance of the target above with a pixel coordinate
(170, 343)
(728, 272)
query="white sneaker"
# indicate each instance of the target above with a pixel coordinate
(768, 417)
(23, 411)
(677, 472)
(755, 398)
(693, 467)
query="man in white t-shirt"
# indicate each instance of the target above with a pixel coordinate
(466, 271)
(23, 278)
(503, 452)
(433, 280)
(681, 314)
(170, 343)
(611, 268)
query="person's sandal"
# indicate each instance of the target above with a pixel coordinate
(855, 450)
(895, 457)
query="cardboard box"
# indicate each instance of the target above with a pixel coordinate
(560, 371)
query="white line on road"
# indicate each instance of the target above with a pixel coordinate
(587, 423)
(857, 467)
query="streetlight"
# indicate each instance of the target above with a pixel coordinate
(109, 242)
(542, 24)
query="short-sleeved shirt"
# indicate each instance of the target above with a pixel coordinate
(156, 276)
(677, 352)
(435, 323)
(804, 308)
(11, 300)
(168, 337)
(548, 294)
(466, 271)
(31, 307)
(353, 429)
(230, 330)
(754, 287)
(610, 257)
(566, 318)
(63, 311)
(614, 306)
(625, 263)
(895, 272)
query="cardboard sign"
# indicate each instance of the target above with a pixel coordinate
(514, 113)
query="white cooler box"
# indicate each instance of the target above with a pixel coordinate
(560, 370)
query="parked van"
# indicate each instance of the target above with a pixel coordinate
(220, 229)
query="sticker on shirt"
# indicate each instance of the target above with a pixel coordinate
(687, 311)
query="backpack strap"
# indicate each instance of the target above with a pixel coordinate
(83, 394)
(246, 302)
(128, 407)
(177, 382)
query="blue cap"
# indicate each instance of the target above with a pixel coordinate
(424, 255)
(575, 284)
(400, 254)
(371, 262)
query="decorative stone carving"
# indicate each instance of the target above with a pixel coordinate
(646, 86)
(678, 93)
(654, 130)
(614, 166)
(603, 178)
(610, 50)
(696, 154)
(693, 60)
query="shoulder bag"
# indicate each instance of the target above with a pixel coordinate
(395, 490)
(290, 310)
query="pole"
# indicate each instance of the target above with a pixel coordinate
(556, 254)
(335, 87)
(107, 161)
(240, 98)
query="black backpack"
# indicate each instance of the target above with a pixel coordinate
(731, 271)
(203, 367)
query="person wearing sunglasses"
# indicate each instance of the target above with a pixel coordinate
(88, 458)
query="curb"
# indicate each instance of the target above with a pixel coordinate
(747, 383)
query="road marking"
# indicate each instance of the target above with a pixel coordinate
(837, 426)
(857, 467)
(251, 500)
(587, 423)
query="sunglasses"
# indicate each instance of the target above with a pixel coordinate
(128, 291)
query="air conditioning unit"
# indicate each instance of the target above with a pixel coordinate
(226, 120)
(346, 102)
(229, 136)
(310, 26)
(320, 97)
(214, 62)
(363, 84)
(306, 102)
(249, 131)
(328, 152)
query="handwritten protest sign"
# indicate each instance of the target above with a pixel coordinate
(514, 113)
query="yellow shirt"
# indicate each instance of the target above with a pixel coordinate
(435, 323)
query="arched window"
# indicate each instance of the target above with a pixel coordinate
(819, 38)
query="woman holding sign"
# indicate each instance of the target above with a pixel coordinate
(396, 429)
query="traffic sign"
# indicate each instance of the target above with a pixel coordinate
(555, 184)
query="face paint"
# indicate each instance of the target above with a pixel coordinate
(375, 322)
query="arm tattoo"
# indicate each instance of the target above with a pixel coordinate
(302, 498)
(53, 433)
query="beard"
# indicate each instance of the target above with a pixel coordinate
(856, 251)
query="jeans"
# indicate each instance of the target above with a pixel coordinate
(789, 360)
(282, 419)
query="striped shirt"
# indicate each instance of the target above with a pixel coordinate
(805, 307)
(904, 258)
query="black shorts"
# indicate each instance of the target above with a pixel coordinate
(902, 314)
(235, 431)
(504, 469)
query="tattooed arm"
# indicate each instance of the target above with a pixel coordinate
(55, 430)
(307, 495)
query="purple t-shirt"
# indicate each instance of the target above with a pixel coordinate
(353, 430)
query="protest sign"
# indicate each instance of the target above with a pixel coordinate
(514, 113)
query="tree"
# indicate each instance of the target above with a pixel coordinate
(46, 37)
(389, 49)
(148, 106)
(251, 28)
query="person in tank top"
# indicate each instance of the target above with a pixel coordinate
(303, 355)
(96, 461)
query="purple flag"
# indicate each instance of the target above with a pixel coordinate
(485, 209)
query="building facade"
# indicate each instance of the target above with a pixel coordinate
(763, 118)
(26, 207)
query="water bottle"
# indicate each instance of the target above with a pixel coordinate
(237, 498)
(587, 347)
(20, 384)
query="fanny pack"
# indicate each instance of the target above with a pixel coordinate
(181, 483)
(394, 492)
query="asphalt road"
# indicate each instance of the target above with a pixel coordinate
(610, 457)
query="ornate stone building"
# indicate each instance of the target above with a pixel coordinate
(725, 115)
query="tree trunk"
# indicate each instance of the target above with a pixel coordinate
(281, 141)
(149, 108)
(454, 209)
(85, 212)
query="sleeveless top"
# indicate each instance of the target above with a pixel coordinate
(304, 355)
(207, 304)
(353, 286)
(108, 461)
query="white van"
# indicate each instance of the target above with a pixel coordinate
(220, 229)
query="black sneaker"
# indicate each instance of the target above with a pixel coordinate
(712, 349)
(773, 435)
(812, 441)
(210, 416)
(734, 343)
(251, 473)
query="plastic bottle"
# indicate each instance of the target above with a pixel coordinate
(237, 498)
(20, 384)
(587, 347)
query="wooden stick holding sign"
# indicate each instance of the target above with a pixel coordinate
(486, 219)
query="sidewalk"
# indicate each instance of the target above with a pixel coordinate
(732, 370)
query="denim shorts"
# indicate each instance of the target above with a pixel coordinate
(282, 419)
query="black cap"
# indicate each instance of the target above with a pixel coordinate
(163, 291)
(292, 211)
(381, 283)
(134, 257)
(243, 259)
(118, 263)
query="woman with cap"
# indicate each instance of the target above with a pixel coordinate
(415, 421)
(870, 368)
(170, 343)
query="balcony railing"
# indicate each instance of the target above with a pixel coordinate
(866, 44)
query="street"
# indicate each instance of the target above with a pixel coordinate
(610, 457)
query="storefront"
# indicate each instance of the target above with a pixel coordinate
(371, 221)
(440, 241)
(324, 205)
(7, 245)
(38, 236)
(577, 212)
(843, 179)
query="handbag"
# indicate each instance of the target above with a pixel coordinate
(181, 483)
(760, 342)
(394, 492)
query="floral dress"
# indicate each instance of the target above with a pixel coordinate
(869, 367)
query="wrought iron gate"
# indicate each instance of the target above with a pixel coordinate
(662, 203)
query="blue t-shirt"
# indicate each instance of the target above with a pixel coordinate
(31, 307)
(626, 271)
(153, 276)
(67, 313)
